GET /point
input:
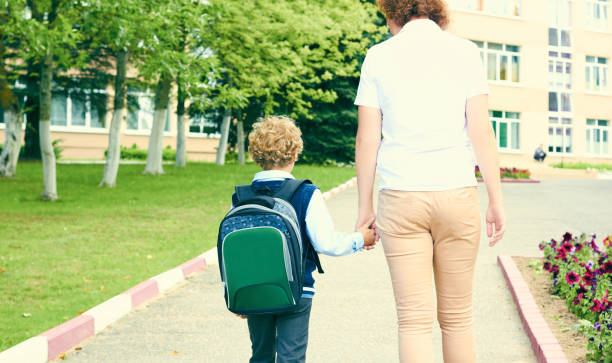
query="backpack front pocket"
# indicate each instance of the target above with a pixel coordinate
(257, 269)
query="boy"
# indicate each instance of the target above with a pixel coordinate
(274, 144)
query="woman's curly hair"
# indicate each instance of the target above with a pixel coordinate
(402, 11)
(275, 141)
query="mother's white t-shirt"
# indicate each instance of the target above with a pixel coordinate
(421, 79)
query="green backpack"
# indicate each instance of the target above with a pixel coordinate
(261, 252)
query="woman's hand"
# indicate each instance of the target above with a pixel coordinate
(365, 221)
(369, 235)
(496, 223)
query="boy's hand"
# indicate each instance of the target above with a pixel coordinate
(369, 234)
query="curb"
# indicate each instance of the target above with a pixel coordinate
(55, 341)
(52, 343)
(515, 181)
(543, 342)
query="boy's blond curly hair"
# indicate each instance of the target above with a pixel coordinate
(275, 141)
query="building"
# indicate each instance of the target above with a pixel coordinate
(547, 61)
(548, 65)
(81, 113)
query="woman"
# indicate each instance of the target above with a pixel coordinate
(426, 91)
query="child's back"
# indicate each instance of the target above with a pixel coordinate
(275, 144)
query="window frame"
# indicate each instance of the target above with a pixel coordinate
(601, 24)
(203, 121)
(560, 81)
(564, 126)
(555, 16)
(590, 133)
(510, 122)
(603, 72)
(87, 128)
(485, 51)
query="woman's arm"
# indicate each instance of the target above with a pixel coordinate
(482, 137)
(366, 152)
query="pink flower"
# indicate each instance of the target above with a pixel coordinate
(572, 278)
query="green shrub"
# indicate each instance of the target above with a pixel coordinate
(134, 153)
(582, 165)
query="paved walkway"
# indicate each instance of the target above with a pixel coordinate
(353, 316)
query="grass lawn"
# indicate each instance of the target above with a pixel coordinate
(60, 258)
(581, 165)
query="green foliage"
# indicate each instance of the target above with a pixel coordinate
(581, 274)
(46, 27)
(536, 265)
(300, 58)
(134, 153)
(61, 258)
(583, 165)
(329, 136)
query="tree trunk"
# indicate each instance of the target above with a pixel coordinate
(12, 143)
(225, 125)
(32, 111)
(154, 155)
(111, 167)
(240, 143)
(12, 131)
(181, 146)
(46, 148)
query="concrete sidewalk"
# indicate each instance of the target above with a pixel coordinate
(353, 315)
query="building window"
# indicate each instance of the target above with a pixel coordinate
(560, 70)
(559, 38)
(495, 7)
(205, 125)
(560, 13)
(507, 129)
(559, 134)
(598, 15)
(502, 61)
(141, 111)
(598, 137)
(559, 102)
(78, 108)
(596, 74)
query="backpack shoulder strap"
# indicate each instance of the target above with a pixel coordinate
(289, 187)
(245, 192)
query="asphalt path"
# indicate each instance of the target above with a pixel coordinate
(353, 316)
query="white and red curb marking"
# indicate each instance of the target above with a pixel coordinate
(340, 188)
(54, 342)
(543, 342)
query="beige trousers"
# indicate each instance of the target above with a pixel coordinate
(432, 231)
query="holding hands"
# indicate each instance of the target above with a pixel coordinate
(366, 226)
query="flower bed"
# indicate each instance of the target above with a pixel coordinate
(581, 274)
(508, 173)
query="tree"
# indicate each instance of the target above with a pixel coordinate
(174, 23)
(49, 38)
(117, 28)
(9, 106)
(281, 60)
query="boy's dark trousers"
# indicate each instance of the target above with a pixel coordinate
(284, 336)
